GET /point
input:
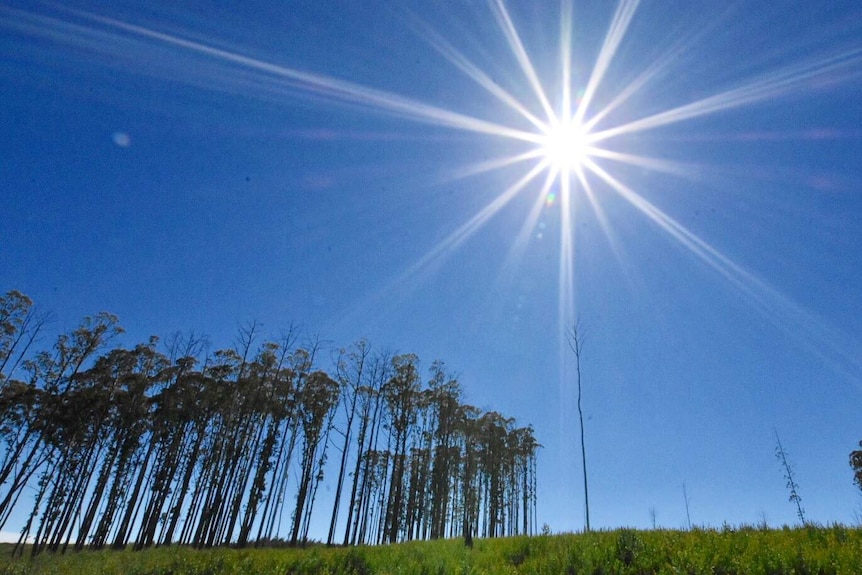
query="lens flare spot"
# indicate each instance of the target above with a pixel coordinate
(121, 139)
(550, 199)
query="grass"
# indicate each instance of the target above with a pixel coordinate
(807, 550)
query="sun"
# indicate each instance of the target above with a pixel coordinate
(564, 145)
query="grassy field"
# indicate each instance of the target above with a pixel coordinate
(815, 550)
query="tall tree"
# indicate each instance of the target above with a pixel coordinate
(371, 399)
(53, 378)
(789, 476)
(350, 374)
(445, 399)
(318, 400)
(20, 325)
(401, 394)
(575, 341)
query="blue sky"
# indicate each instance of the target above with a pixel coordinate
(197, 166)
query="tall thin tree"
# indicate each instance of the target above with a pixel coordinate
(576, 344)
(792, 486)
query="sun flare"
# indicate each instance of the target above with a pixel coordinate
(565, 127)
(565, 145)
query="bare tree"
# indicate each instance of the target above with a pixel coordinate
(792, 486)
(576, 343)
(687, 514)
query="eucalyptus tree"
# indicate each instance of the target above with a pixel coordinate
(288, 392)
(466, 488)
(418, 485)
(576, 342)
(134, 415)
(52, 378)
(790, 477)
(193, 406)
(20, 325)
(125, 378)
(371, 401)
(220, 449)
(20, 405)
(136, 446)
(525, 447)
(270, 368)
(401, 394)
(178, 414)
(318, 400)
(444, 401)
(350, 374)
(105, 410)
(493, 429)
(256, 437)
(180, 418)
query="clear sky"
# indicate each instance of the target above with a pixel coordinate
(462, 180)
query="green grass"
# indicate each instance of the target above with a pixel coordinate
(808, 550)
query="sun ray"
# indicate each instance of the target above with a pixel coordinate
(494, 164)
(105, 37)
(514, 40)
(309, 82)
(735, 274)
(566, 306)
(775, 84)
(698, 247)
(415, 271)
(795, 320)
(599, 211)
(566, 10)
(655, 164)
(516, 252)
(633, 87)
(466, 230)
(671, 56)
(616, 32)
(475, 73)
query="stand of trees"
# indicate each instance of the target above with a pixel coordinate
(139, 447)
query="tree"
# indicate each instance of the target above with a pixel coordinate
(445, 393)
(350, 375)
(401, 394)
(132, 446)
(19, 328)
(364, 474)
(856, 465)
(792, 486)
(318, 401)
(576, 345)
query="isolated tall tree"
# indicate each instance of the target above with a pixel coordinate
(789, 476)
(575, 341)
